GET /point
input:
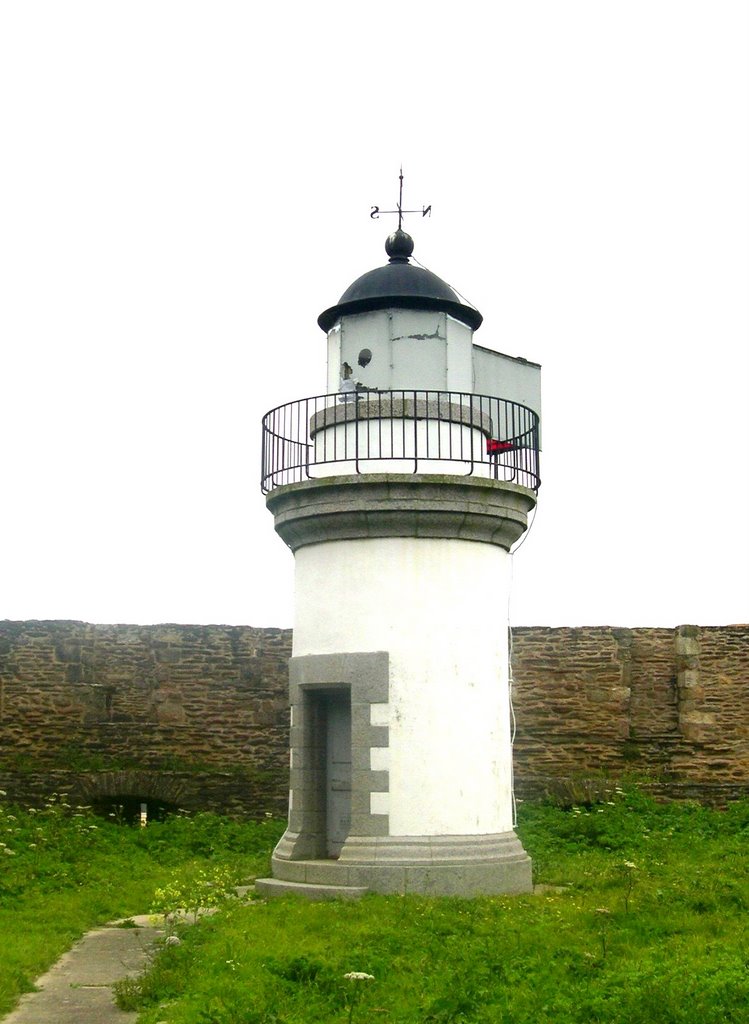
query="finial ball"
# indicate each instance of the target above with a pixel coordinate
(399, 245)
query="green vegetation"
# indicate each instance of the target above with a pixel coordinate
(63, 871)
(640, 917)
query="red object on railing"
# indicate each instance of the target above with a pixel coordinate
(494, 447)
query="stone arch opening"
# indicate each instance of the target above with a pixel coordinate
(128, 809)
(122, 796)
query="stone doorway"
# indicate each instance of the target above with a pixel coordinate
(336, 713)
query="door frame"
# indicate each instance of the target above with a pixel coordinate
(365, 676)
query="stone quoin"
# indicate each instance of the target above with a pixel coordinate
(401, 493)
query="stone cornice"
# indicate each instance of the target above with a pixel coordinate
(401, 505)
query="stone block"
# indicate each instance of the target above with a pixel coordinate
(370, 825)
(689, 678)
(271, 888)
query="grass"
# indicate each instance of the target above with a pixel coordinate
(63, 871)
(642, 920)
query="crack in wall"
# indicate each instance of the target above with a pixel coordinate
(419, 337)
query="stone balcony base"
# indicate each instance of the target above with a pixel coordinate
(427, 865)
(401, 505)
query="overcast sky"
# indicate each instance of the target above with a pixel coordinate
(186, 186)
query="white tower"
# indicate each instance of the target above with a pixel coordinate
(400, 493)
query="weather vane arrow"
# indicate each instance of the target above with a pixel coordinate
(425, 211)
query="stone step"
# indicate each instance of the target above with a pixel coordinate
(271, 887)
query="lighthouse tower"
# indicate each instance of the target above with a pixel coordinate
(401, 492)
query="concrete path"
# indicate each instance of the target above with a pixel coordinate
(78, 989)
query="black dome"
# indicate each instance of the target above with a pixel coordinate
(401, 285)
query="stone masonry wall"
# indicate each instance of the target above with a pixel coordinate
(197, 716)
(672, 705)
(190, 715)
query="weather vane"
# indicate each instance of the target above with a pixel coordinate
(425, 211)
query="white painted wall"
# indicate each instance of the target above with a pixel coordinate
(419, 349)
(428, 351)
(459, 356)
(355, 333)
(335, 360)
(410, 349)
(439, 607)
(391, 446)
(509, 377)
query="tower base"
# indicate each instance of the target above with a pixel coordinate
(487, 865)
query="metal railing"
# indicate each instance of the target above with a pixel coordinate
(410, 431)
